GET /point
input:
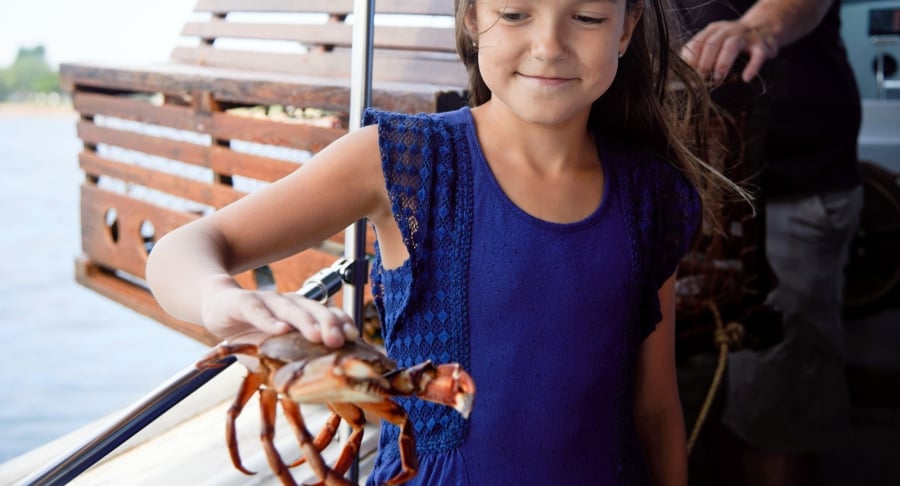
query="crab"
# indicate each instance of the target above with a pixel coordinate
(351, 381)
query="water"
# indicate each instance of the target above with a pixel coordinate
(69, 355)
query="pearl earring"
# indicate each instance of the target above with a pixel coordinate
(621, 54)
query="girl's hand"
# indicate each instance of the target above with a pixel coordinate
(239, 315)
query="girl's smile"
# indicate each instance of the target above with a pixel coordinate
(547, 80)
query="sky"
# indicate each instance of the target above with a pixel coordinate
(118, 31)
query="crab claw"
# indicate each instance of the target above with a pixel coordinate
(451, 386)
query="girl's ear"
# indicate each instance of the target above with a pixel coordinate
(632, 16)
(471, 23)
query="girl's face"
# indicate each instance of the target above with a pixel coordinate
(547, 61)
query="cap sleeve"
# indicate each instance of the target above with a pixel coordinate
(675, 216)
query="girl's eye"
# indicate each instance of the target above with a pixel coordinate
(585, 19)
(513, 16)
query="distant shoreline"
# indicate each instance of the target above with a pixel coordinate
(28, 110)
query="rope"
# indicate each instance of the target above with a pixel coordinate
(725, 338)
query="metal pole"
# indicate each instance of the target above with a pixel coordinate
(65, 468)
(360, 99)
(355, 235)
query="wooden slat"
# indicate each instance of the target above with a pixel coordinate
(220, 159)
(333, 34)
(138, 110)
(221, 126)
(298, 136)
(251, 87)
(445, 71)
(241, 86)
(415, 7)
(227, 161)
(333, 7)
(168, 148)
(269, 6)
(214, 195)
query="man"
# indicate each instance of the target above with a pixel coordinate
(790, 401)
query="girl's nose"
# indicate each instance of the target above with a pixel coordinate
(548, 44)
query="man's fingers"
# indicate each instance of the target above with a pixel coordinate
(689, 53)
(731, 48)
(715, 49)
(757, 58)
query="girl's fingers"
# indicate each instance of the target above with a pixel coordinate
(258, 313)
(318, 323)
(347, 325)
(236, 313)
(332, 323)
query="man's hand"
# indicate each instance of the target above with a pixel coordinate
(714, 49)
(767, 26)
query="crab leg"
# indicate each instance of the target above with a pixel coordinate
(268, 401)
(307, 446)
(395, 414)
(329, 430)
(353, 415)
(248, 388)
(211, 360)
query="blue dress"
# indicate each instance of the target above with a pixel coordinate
(546, 317)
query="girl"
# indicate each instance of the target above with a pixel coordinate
(532, 237)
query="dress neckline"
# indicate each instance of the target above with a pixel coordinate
(480, 160)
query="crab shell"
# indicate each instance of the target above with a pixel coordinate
(359, 373)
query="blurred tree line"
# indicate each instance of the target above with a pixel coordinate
(29, 73)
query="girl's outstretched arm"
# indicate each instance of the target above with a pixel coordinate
(190, 269)
(658, 415)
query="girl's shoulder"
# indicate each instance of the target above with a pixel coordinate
(421, 139)
(411, 121)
